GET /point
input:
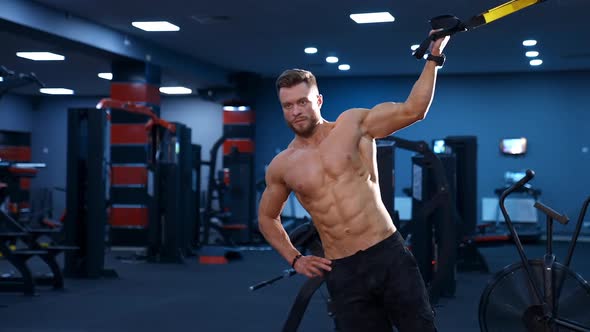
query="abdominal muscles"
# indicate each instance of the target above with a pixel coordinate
(347, 212)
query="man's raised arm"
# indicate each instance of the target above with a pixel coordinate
(387, 118)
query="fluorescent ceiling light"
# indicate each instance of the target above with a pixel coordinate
(414, 47)
(155, 26)
(536, 62)
(531, 54)
(331, 59)
(379, 17)
(344, 67)
(40, 56)
(311, 50)
(529, 42)
(29, 165)
(56, 91)
(236, 108)
(175, 90)
(106, 76)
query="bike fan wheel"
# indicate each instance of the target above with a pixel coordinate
(507, 303)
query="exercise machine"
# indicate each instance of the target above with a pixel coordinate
(230, 198)
(215, 216)
(86, 198)
(12, 80)
(171, 194)
(470, 237)
(432, 232)
(19, 242)
(537, 294)
(219, 214)
(153, 194)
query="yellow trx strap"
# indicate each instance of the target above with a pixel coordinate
(507, 9)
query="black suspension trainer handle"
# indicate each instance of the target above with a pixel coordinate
(286, 273)
(449, 24)
(301, 237)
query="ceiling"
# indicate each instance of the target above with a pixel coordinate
(267, 36)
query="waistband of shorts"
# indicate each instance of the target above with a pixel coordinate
(394, 240)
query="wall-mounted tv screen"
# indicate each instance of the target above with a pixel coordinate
(513, 146)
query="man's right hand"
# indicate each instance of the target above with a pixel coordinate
(312, 266)
(437, 46)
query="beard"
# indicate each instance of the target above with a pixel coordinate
(304, 128)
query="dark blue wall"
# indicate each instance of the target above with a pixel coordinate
(16, 113)
(551, 110)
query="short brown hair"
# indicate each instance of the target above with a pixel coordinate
(292, 77)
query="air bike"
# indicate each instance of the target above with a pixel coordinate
(537, 295)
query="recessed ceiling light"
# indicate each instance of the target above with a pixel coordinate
(1, 79)
(311, 50)
(414, 47)
(106, 76)
(344, 67)
(40, 56)
(531, 54)
(536, 62)
(56, 91)
(331, 59)
(529, 42)
(175, 90)
(379, 17)
(155, 26)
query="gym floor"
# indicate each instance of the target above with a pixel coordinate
(216, 298)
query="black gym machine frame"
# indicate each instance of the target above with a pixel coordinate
(86, 196)
(432, 232)
(215, 192)
(173, 208)
(12, 80)
(173, 173)
(225, 188)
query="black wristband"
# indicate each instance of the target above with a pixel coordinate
(439, 60)
(295, 260)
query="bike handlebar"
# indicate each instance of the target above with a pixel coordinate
(528, 176)
(561, 218)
